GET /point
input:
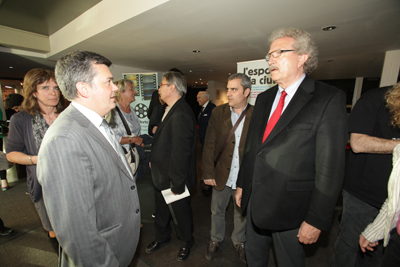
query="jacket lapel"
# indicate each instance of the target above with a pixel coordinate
(267, 110)
(98, 136)
(300, 98)
(226, 116)
(161, 125)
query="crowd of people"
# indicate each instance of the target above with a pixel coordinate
(281, 162)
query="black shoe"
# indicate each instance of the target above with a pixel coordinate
(212, 249)
(154, 246)
(6, 231)
(183, 254)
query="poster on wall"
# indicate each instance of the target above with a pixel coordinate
(258, 71)
(144, 84)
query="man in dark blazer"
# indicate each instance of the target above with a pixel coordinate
(203, 98)
(222, 176)
(173, 165)
(290, 178)
(88, 188)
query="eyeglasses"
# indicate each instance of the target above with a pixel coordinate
(161, 84)
(276, 53)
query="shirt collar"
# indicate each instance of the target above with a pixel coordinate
(240, 112)
(291, 90)
(90, 114)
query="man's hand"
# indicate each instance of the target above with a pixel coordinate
(365, 244)
(308, 234)
(210, 182)
(238, 196)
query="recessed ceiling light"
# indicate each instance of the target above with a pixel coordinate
(8, 86)
(11, 67)
(196, 51)
(190, 70)
(328, 28)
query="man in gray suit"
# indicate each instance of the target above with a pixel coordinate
(89, 191)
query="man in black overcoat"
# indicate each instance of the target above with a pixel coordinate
(292, 171)
(173, 165)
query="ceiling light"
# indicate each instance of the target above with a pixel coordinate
(8, 86)
(11, 67)
(328, 28)
(190, 70)
(196, 51)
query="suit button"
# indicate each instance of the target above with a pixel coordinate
(133, 187)
(137, 211)
(259, 153)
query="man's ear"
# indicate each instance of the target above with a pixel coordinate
(302, 59)
(83, 89)
(172, 88)
(247, 92)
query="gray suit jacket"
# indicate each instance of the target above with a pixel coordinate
(89, 195)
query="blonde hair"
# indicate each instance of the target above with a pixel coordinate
(393, 104)
(121, 84)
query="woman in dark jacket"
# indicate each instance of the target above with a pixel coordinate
(42, 104)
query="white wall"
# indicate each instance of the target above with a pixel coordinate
(217, 91)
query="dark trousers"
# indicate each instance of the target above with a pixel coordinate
(391, 258)
(289, 251)
(3, 173)
(356, 216)
(184, 220)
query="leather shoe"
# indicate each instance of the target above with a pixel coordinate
(6, 231)
(154, 246)
(183, 254)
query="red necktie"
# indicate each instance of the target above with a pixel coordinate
(398, 225)
(275, 116)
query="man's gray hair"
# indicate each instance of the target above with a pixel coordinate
(244, 80)
(178, 80)
(204, 94)
(77, 67)
(304, 44)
